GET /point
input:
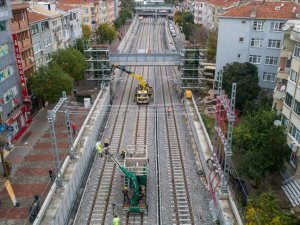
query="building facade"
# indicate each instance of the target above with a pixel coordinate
(253, 33)
(289, 78)
(41, 38)
(206, 12)
(14, 99)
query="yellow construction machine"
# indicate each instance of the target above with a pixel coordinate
(143, 93)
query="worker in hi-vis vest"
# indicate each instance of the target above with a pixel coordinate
(99, 148)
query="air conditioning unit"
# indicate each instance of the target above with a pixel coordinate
(294, 146)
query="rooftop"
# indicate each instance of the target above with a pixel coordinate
(34, 17)
(64, 7)
(222, 3)
(264, 10)
(75, 2)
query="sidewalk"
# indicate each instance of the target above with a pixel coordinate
(31, 160)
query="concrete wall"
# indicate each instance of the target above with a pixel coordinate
(58, 204)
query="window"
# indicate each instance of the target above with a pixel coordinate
(48, 57)
(85, 20)
(288, 63)
(243, 21)
(241, 39)
(269, 76)
(93, 10)
(2, 26)
(274, 43)
(271, 60)
(3, 50)
(85, 10)
(2, 3)
(34, 29)
(256, 42)
(276, 26)
(37, 47)
(293, 75)
(54, 22)
(258, 25)
(297, 107)
(239, 55)
(254, 59)
(47, 41)
(288, 99)
(45, 25)
(297, 51)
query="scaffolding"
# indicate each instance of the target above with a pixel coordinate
(193, 75)
(97, 58)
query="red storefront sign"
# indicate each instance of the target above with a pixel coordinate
(16, 115)
(25, 95)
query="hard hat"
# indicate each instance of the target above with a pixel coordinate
(125, 188)
(106, 140)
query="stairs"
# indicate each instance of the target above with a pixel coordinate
(292, 191)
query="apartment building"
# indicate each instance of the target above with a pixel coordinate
(89, 10)
(110, 10)
(14, 98)
(41, 37)
(288, 83)
(72, 23)
(206, 12)
(253, 33)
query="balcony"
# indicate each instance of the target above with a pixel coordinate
(25, 44)
(283, 74)
(280, 91)
(295, 36)
(19, 26)
(285, 53)
(19, 5)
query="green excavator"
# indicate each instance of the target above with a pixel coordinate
(136, 181)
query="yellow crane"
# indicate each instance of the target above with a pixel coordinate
(143, 93)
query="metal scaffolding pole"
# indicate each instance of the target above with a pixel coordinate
(51, 121)
(69, 130)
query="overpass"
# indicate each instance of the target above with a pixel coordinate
(159, 9)
(127, 59)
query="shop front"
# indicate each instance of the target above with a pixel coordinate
(20, 121)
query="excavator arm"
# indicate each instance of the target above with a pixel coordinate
(140, 79)
(135, 197)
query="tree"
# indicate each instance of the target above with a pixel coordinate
(49, 82)
(246, 77)
(212, 45)
(71, 61)
(177, 17)
(265, 209)
(127, 4)
(124, 14)
(198, 34)
(106, 33)
(2, 145)
(79, 45)
(260, 146)
(86, 32)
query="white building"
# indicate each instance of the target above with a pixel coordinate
(206, 12)
(253, 33)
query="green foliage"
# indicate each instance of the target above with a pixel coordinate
(260, 146)
(198, 34)
(49, 83)
(187, 19)
(79, 45)
(264, 209)
(106, 33)
(127, 4)
(209, 124)
(246, 77)
(212, 45)
(86, 32)
(124, 14)
(71, 61)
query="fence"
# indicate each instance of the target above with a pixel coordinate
(63, 200)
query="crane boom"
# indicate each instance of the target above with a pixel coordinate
(135, 198)
(140, 79)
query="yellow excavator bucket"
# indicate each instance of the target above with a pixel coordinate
(188, 94)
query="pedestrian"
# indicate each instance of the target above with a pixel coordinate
(99, 148)
(120, 38)
(116, 220)
(169, 111)
(106, 143)
(51, 176)
(123, 153)
(75, 92)
(126, 194)
(74, 127)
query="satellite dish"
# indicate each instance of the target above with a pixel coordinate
(277, 123)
